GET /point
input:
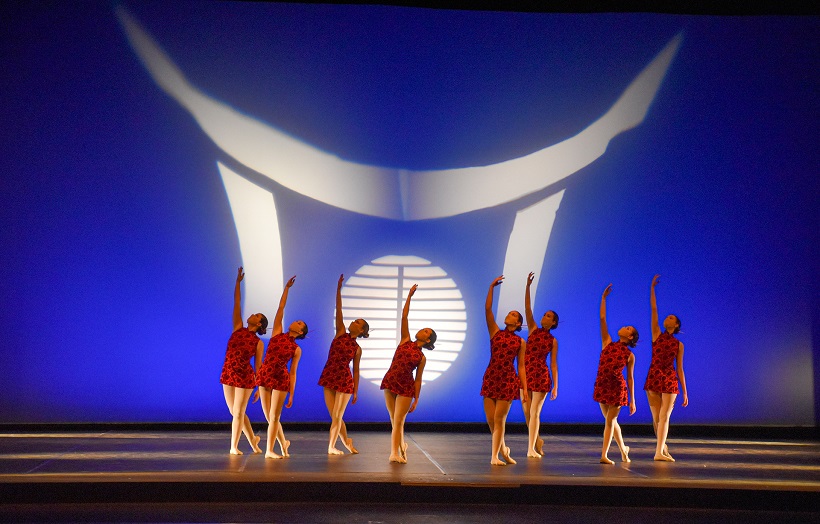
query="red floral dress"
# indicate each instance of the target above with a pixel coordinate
(237, 370)
(336, 375)
(501, 382)
(662, 377)
(273, 374)
(610, 386)
(539, 345)
(399, 378)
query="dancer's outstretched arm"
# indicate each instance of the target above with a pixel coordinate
(340, 322)
(237, 300)
(280, 313)
(492, 327)
(653, 305)
(605, 338)
(405, 327)
(531, 324)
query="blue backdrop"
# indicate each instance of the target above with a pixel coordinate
(120, 245)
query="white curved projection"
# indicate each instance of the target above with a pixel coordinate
(329, 179)
(254, 213)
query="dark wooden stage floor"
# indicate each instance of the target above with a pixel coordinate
(170, 476)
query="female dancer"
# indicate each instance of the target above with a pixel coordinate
(662, 381)
(540, 344)
(274, 379)
(336, 379)
(610, 389)
(238, 377)
(501, 384)
(400, 388)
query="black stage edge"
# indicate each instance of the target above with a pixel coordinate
(811, 433)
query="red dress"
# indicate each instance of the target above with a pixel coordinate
(662, 377)
(610, 386)
(273, 374)
(336, 375)
(399, 378)
(500, 380)
(237, 370)
(539, 345)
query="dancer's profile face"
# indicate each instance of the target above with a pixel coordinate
(356, 327)
(627, 332)
(298, 327)
(424, 335)
(671, 323)
(513, 319)
(255, 319)
(548, 320)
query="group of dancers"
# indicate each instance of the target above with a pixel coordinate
(518, 369)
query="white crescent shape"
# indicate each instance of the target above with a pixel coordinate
(394, 193)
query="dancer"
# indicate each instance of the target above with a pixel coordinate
(662, 380)
(275, 381)
(541, 378)
(401, 390)
(338, 383)
(238, 376)
(501, 383)
(610, 389)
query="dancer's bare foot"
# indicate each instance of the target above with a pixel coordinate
(497, 462)
(256, 448)
(539, 446)
(349, 445)
(285, 448)
(404, 451)
(334, 451)
(398, 459)
(663, 458)
(605, 460)
(533, 454)
(625, 454)
(505, 452)
(272, 455)
(235, 451)
(666, 454)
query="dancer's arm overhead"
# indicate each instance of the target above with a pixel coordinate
(492, 327)
(653, 305)
(280, 313)
(237, 300)
(340, 322)
(605, 338)
(405, 326)
(531, 325)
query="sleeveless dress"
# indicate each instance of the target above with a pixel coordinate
(237, 370)
(273, 374)
(610, 386)
(662, 376)
(336, 375)
(539, 345)
(399, 378)
(501, 381)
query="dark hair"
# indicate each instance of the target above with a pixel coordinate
(304, 333)
(263, 325)
(366, 331)
(634, 341)
(431, 345)
(555, 316)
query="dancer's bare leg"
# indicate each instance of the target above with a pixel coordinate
(237, 400)
(277, 401)
(400, 406)
(338, 410)
(667, 404)
(610, 415)
(496, 412)
(284, 444)
(619, 440)
(536, 403)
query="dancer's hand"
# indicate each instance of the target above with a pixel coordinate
(685, 400)
(607, 291)
(655, 280)
(498, 281)
(413, 405)
(255, 396)
(239, 274)
(530, 278)
(355, 397)
(554, 393)
(525, 397)
(341, 279)
(290, 401)
(631, 407)
(412, 290)
(291, 281)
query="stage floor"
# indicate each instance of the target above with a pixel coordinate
(45, 473)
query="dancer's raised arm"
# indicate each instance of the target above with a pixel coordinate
(531, 325)
(405, 327)
(237, 300)
(605, 338)
(492, 327)
(653, 304)
(340, 322)
(280, 313)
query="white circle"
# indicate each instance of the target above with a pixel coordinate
(376, 293)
